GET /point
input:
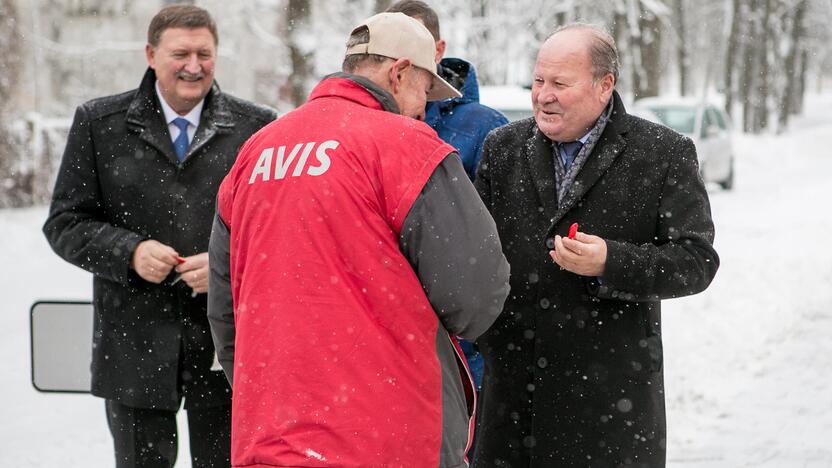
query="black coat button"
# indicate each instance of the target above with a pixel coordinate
(544, 303)
(542, 363)
(550, 243)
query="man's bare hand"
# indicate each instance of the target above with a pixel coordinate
(153, 260)
(194, 272)
(584, 255)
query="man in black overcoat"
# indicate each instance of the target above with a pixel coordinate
(133, 204)
(573, 366)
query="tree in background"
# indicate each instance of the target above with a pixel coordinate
(500, 38)
(638, 28)
(682, 57)
(762, 56)
(731, 53)
(767, 59)
(15, 183)
(301, 42)
(754, 54)
(791, 99)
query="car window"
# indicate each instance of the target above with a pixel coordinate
(716, 116)
(678, 118)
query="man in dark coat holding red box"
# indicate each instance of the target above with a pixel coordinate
(574, 363)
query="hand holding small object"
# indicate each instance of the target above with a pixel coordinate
(153, 260)
(193, 271)
(584, 254)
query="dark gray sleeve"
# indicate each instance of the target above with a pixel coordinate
(451, 241)
(220, 304)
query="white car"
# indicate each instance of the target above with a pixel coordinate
(706, 124)
(514, 102)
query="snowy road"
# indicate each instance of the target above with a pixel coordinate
(748, 363)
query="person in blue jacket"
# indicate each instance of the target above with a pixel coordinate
(461, 122)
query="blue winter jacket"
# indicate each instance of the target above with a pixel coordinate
(463, 122)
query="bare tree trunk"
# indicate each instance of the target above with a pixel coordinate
(749, 64)
(10, 60)
(763, 90)
(681, 46)
(15, 188)
(799, 34)
(619, 25)
(298, 26)
(634, 47)
(733, 48)
(797, 104)
(651, 50)
(788, 98)
(481, 40)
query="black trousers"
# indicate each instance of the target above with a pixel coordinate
(147, 438)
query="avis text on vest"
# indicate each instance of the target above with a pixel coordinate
(282, 162)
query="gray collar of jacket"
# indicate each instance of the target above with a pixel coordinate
(384, 98)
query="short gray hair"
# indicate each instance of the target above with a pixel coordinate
(361, 35)
(421, 11)
(180, 16)
(602, 50)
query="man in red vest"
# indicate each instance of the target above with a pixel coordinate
(348, 249)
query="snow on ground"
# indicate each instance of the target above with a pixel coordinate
(748, 362)
(43, 429)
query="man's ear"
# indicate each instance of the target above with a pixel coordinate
(607, 84)
(396, 73)
(440, 50)
(149, 53)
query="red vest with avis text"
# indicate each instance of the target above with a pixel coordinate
(335, 360)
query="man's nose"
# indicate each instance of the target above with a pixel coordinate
(546, 95)
(192, 65)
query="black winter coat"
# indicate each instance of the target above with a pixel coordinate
(573, 368)
(120, 183)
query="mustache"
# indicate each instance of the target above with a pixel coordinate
(190, 76)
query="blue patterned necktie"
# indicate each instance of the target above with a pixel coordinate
(180, 144)
(568, 151)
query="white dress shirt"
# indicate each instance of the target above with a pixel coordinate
(170, 115)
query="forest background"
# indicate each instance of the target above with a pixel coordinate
(756, 58)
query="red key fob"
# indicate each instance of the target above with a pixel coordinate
(180, 260)
(573, 230)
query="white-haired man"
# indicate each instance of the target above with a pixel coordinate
(574, 364)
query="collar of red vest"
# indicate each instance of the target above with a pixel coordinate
(355, 88)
